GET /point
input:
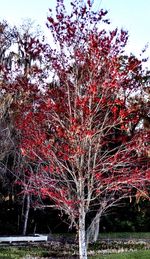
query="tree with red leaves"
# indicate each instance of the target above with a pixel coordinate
(81, 137)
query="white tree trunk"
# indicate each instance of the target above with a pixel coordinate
(93, 229)
(82, 237)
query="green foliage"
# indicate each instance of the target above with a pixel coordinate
(131, 217)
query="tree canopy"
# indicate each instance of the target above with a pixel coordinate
(80, 110)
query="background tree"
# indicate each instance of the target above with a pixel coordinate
(20, 61)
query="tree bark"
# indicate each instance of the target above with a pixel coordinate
(82, 235)
(26, 215)
(93, 229)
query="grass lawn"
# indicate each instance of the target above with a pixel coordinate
(129, 255)
(18, 253)
(138, 235)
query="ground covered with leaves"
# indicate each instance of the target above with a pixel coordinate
(66, 248)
